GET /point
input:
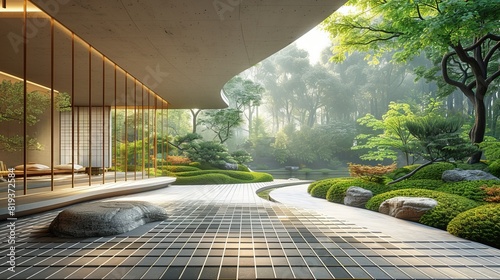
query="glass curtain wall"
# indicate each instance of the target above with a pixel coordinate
(71, 117)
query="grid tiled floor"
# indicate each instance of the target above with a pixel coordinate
(227, 232)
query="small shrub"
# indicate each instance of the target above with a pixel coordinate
(370, 173)
(433, 171)
(320, 189)
(470, 189)
(178, 160)
(449, 205)
(481, 224)
(492, 193)
(418, 184)
(315, 183)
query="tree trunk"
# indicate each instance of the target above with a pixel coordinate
(194, 114)
(477, 132)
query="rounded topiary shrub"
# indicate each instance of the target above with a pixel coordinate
(322, 182)
(320, 190)
(433, 171)
(337, 190)
(469, 189)
(449, 205)
(427, 184)
(481, 224)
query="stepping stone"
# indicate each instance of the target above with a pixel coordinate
(105, 218)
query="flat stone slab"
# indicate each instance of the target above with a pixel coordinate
(105, 218)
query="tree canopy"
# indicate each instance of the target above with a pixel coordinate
(461, 33)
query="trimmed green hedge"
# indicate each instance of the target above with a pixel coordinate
(321, 182)
(481, 224)
(241, 175)
(320, 188)
(427, 184)
(469, 189)
(180, 168)
(221, 177)
(433, 171)
(449, 205)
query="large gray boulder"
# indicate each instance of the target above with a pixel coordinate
(105, 218)
(457, 175)
(357, 196)
(407, 208)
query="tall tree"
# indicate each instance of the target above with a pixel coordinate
(246, 96)
(461, 33)
(12, 111)
(222, 122)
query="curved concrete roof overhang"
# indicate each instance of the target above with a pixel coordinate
(183, 50)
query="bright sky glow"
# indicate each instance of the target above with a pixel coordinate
(314, 42)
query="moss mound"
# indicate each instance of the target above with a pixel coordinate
(481, 224)
(220, 177)
(433, 171)
(427, 184)
(469, 189)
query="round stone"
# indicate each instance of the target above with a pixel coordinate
(105, 218)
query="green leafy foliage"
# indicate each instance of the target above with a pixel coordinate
(210, 152)
(389, 136)
(12, 110)
(449, 205)
(427, 184)
(322, 143)
(459, 33)
(320, 188)
(241, 156)
(491, 149)
(440, 138)
(401, 171)
(470, 189)
(180, 168)
(222, 122)
(494, 168)
(480, 224)
(433, 171)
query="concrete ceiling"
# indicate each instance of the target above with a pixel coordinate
(183, 50)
